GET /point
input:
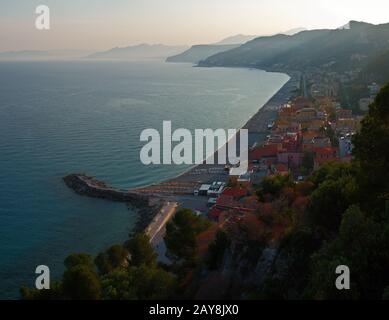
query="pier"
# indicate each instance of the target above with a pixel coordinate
(91, 187)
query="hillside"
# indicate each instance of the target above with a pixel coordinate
(378, 68)
(258, 51)
(142, 51)
(198, 53)
(237, 39)
(339, 49)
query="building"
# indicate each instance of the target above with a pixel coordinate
(345, 146)
(291, 142)
(364, 103)
(292, 160)
(374, 89)
(279, 169)
(321, 142)
(344, 126)
(305, 114)
(301, 103)
(343, 114)
(324, 155)
(265, 151)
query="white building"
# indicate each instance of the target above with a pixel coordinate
(345, 146)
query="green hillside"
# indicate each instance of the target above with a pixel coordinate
(336, 49)
(378, 68)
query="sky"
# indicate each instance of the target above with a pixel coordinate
(103, 24)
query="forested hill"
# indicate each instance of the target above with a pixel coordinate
(338, 49)
(378, 68)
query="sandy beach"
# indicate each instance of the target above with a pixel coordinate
(257, 125)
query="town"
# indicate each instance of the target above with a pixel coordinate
(306, 133)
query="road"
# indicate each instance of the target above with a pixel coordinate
(305, 88)
(157, 228)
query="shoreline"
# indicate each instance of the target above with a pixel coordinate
(257, 127)
(153, 199)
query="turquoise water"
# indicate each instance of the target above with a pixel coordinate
(63, 117)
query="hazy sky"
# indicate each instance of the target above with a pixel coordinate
(102, 24)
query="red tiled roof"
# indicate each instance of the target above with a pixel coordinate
(325, 150)
(234, 192)
(268, 150)
(280, 167)
(214, 213)
(227, 202)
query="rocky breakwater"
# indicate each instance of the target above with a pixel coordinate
(91, 187)
(148, 205)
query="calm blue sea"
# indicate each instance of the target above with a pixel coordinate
(62, 117)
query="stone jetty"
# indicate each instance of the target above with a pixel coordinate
(91, 187)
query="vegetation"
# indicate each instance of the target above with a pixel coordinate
(119, 277)
(129, 271)
(344, 223)
(272, 186)
(307, 163)
(113, 258)
(301, 233)
(216, 250)
(181, 235)
(315, 48)
(377, 69)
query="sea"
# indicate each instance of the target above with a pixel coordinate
(61, 117)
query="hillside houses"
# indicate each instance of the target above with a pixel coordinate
(302, 130)
(303, 126)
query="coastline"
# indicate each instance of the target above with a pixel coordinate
(257, 126)
(152, 200)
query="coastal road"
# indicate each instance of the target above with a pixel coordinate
(157, 228)
(305, 87)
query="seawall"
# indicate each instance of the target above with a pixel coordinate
(88, 186)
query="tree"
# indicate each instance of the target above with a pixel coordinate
(274, 185)
(80, 280)
(55, 293)
(371, 150)
(328, 202)
(216, 250)
(307, 162)
(180, 238)
(385, 296)
(77, 259)
(152, 283)
(81, 283)
(288, 280)
(332, 171)
(115, 257)
(362, 246)
(117, 286)
(141, 250)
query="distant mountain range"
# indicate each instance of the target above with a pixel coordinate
(292, 32)
(142, 51)
(237, 39)
(198, 53)
(340, 49)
